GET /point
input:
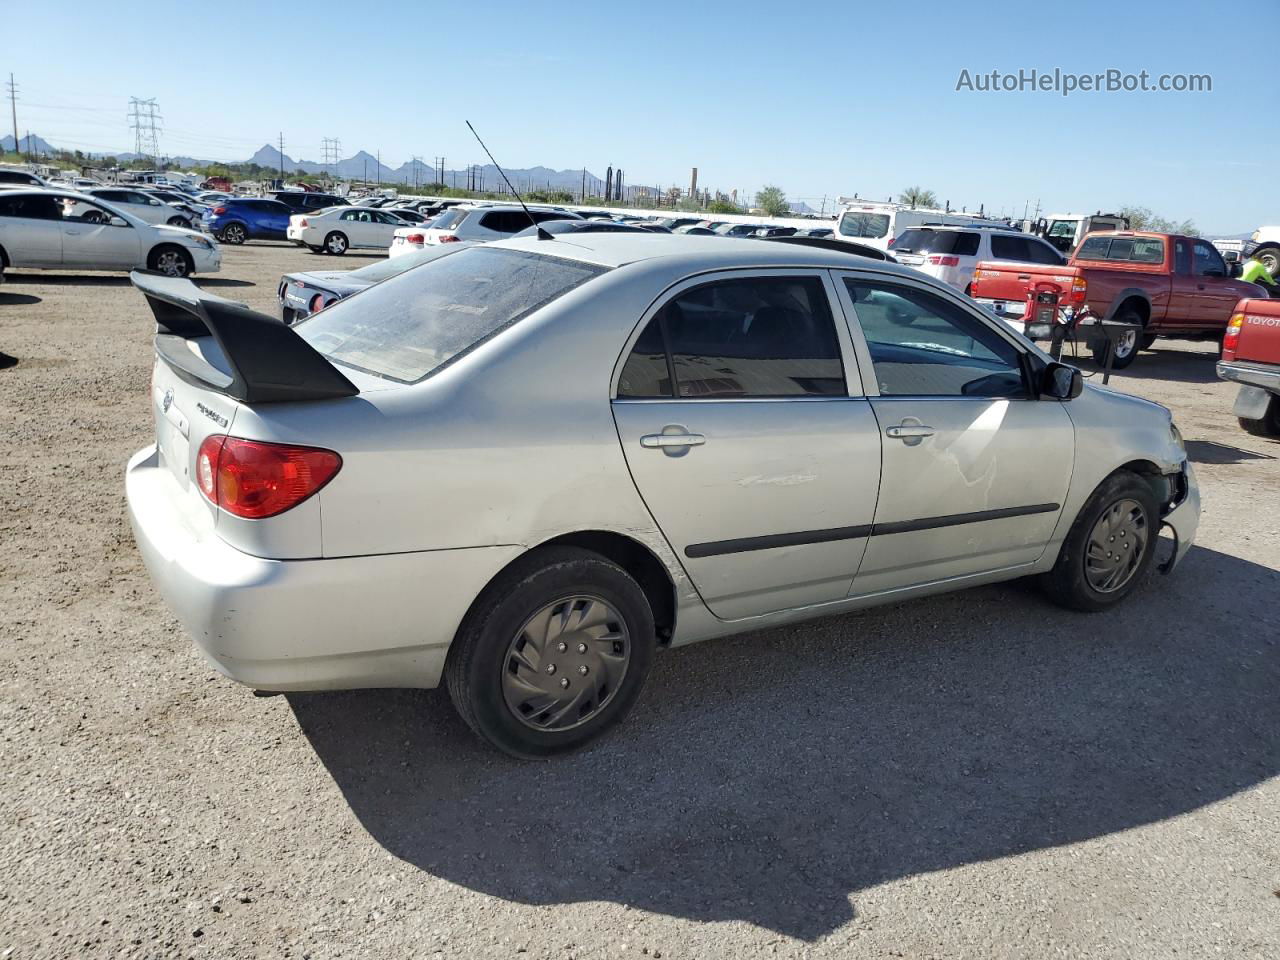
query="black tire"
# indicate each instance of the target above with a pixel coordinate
(1269, 257)
(1269, 425)
(233, 233)
(1146, 341)
(314, 249)
(170, 260)
(178, 222)
(336, 243)
(481, 651)
(1122, 358)
(1068, 584)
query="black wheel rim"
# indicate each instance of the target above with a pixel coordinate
(566, 663)
(1116, 546)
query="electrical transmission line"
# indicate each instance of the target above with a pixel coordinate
(145, 120)
(331, 149)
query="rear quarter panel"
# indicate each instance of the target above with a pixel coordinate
(1003, 280)
(1259, 340)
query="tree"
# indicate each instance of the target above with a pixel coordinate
(918, 197)
(1141, 218)
(721, 205)
(773, 201)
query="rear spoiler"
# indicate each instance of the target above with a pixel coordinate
(269, 362)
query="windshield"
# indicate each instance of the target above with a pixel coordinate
(413, 325)
(447, 219)
(1063, 228)
(868, 225)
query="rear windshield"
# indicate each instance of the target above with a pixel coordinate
(868, 225)
(394, 266)
(956, 242)
(450, 218)
(410, 326)
(1128, 249)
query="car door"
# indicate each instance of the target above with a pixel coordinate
(975, 466)
(95, 239)
(1183, 309)
(31, 230)
(1216, 292)
(756, 457)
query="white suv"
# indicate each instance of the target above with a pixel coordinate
(482, 224)
(951, 253)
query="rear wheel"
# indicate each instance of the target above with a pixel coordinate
(178, 222)
(553, 654)
(1269, 425)
(1110, 547)
(336, 243)
(1126, 348)
(171, 261)
(233, 233)
(1269, 257)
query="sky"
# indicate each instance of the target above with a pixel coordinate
(820, 98)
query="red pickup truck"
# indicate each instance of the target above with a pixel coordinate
(1169, 285)
(1251, 358)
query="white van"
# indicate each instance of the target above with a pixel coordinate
(878, 224)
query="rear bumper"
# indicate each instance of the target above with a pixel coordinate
(323, 624)
(1264, 375)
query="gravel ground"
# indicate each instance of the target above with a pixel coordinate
(981, 775)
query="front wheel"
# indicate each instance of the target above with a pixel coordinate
(171, 261)
(1126, 348)
(1269, 257)
(336, 243)
(1110, 547)
(1269, 424)
(553, 654)
(178, 222)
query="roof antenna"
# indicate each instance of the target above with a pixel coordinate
(542, 234)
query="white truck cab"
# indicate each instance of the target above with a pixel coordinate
(879, 224)
(1066, 230)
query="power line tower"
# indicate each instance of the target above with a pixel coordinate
(13, 106)
(417, 164)
(145, 121)
(331, 152)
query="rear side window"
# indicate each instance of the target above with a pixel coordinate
(1005, 247)
(505, 221)
(754, 337)
(448, 220)
(408, 327)
(1043, 253)
(31, 207)
(17, 176)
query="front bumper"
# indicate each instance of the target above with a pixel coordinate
(1183, 520)
(324, 624)
(206, 261)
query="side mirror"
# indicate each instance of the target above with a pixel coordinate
(1234, 269)
(1061, 382)
(118, 222)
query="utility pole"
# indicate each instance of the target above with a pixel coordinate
(378, 169)
(13, 106)
(281, 152)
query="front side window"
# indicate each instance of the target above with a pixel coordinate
(1182, 257)
(1064, 228)
(408, 327)
(751, 337)
(924, 346)
(1208, 261)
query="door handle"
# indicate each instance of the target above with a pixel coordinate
(672, 440)
(909, 433)
(1199, 286)
(73, 233)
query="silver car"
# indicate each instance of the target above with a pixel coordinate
(523, 468)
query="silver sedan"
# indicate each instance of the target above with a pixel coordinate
(523, 468)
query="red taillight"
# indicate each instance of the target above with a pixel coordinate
(253, 479)
(448, 238)
(941, 261)
(415, 238)
(219, 211)
(1079, 288)
(302, 222)
(317, 303)
(1231, 339)
(890, 244)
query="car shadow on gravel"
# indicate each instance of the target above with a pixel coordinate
(771, 777)
(17, 299)
(1176, 366)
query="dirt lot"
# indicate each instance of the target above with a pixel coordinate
(977, 776)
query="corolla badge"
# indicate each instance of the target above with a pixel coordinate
(167, 402)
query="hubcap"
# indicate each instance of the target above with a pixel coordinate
(171, 264)
(1126, 343)
(1116, 546)
(566, 663)
(235, 234)
(337, 244)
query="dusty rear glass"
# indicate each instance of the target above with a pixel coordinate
(408, 327)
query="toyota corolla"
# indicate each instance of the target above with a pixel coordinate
(522, 469)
